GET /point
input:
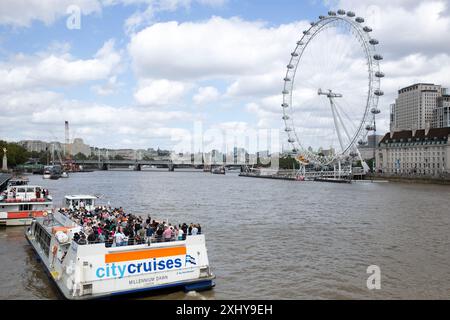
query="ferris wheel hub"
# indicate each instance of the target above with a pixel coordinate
(329, 94)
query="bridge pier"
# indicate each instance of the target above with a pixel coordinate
(171, 167)
(105, 167)
(137, 167)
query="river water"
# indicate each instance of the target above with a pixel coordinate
(271, 239)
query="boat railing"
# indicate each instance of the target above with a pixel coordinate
(18, 199)
(132, 241)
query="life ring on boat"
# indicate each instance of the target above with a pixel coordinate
(54, 249)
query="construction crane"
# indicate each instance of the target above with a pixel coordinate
(67, 147)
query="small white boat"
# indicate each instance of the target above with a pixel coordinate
(47, 174)
(64, 175)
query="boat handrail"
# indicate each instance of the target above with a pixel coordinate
(10, 199)
(133, 241)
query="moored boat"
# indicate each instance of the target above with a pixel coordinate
(85, 269)
(219, 170)
(47, 174)
(19, 204)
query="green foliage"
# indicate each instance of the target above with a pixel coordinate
(80, 156)
(147, 158)
(16, 154)
(289, 163)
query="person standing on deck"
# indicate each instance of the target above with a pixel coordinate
(194, 230)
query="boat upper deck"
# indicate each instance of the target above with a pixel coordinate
(25, 194)
(114, 227)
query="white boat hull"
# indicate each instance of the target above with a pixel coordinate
(95, 271)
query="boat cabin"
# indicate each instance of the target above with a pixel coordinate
(75, 202)
(24, 193)
(17, 182)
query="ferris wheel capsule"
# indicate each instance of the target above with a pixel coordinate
(378, 57)
(285, 91)
(375, 111)
(369, 127)
(350, 14)
(321, 17)
(331, 13)
(294, 54)
(290, 66)
(287, 79)
(379, 74)
(379, 93)
(359, 20)
(367, 29)
(285, 118)
(290, 140)
(285, 105)
(373, 42)
(341, 12)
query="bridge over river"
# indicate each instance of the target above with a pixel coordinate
(138, 165)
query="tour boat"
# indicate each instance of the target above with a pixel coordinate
(98, 270)
(19, 204)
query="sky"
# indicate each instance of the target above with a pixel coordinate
(150, 73)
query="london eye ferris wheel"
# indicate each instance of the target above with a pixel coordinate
(331, 89)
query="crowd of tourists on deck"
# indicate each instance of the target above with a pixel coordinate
(114, 227)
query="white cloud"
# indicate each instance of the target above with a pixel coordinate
(206, 95)
(214, 48)
(41, 115)
(22, 13)
(160, 92)
(109, 88)
(406, 27)
(58, 69)
(152, 7)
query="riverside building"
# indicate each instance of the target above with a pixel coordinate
(420, 106)
(415, 152)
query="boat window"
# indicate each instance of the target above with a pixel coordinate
(30, 189)
(25, 207)
(43, 238)
(88, 202)
(20, 189)
(67, 202)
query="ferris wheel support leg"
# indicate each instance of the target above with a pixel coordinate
(339, 174)
(363, 163)
(333, 111)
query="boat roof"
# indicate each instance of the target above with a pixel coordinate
(25, 186)
(19, 179)
(79, 196)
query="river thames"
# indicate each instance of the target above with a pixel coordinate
(272, 239)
